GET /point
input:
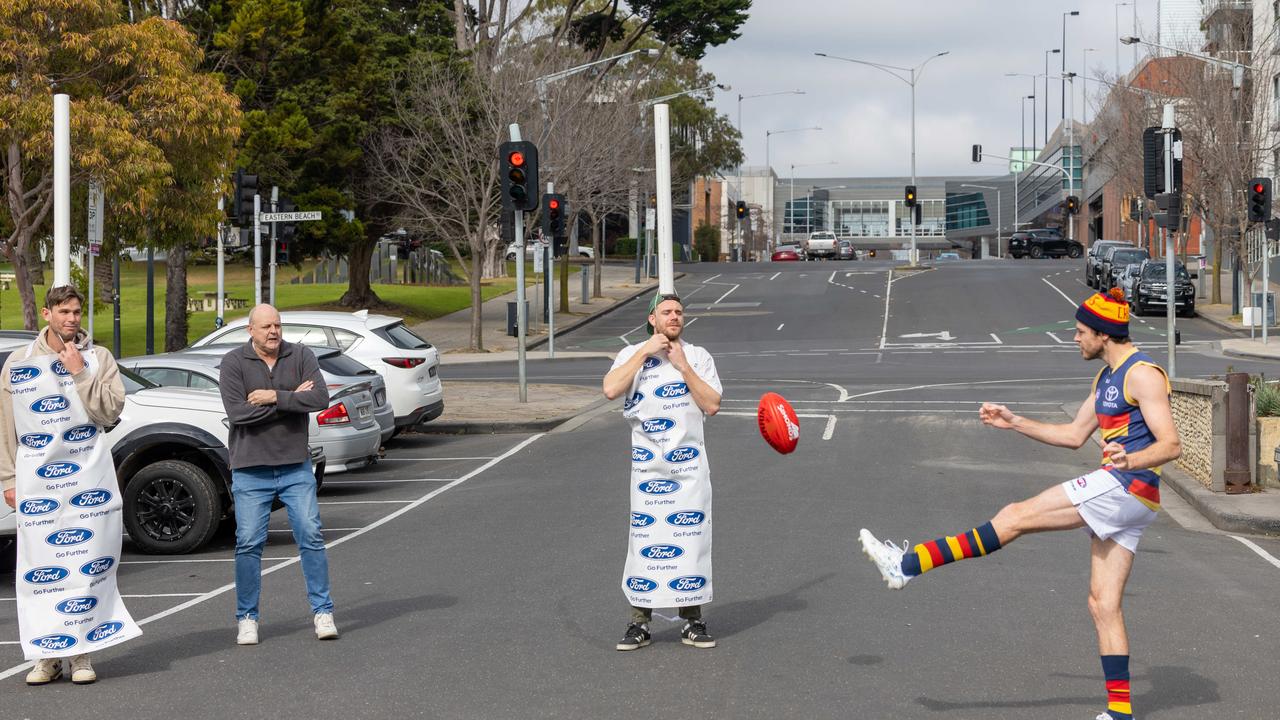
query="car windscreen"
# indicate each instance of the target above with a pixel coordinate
(1155, 271)
(339, 364)
(401, 337)
(1121, 258)
(133, 382)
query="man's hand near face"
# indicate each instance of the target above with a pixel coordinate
(10, 498)
(71, 358)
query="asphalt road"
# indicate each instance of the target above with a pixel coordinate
(477, 576)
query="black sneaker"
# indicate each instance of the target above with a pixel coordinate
(636, 637)
(695, 634)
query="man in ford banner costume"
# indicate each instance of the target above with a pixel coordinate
(670, 386)
(59, 394)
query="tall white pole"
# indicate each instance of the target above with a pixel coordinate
(1071, 153)
(914, 258)
(275, 206)
(257, 250)
(521, 316)
(1170, 282)
(662, 165)
(61, 190)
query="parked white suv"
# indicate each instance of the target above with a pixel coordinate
(409, 364)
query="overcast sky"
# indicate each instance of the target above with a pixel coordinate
(961, 98)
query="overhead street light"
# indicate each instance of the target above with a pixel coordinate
(672, 96)
(1047, 53)
(911, 79)
(1065, 15)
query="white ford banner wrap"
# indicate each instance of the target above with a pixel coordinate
(68, 516)
(669, 552)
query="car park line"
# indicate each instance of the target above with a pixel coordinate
(287, 562)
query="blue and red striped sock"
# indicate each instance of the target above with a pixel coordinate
(1115, 668)
(935, 553)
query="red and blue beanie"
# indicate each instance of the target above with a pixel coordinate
(1107, 313)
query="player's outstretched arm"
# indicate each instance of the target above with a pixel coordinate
(1070, 435)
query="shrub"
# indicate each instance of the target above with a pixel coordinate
(624, 246)
(706, 242)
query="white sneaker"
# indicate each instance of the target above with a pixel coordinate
(325, 628)
(887, 557)
(248, 632)
(45, 671)
(82, 670)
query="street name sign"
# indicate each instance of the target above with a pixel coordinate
(291, 216)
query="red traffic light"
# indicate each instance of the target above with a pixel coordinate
(516, 158)
(1259, 187)
(553, 204)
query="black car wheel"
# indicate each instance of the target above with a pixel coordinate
(171, 507)
(1074, 251)
(1037, 252)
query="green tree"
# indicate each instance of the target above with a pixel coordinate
(317, 80)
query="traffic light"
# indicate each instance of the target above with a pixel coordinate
(1072, 205)
(741, 209)
(286, 232)
(1135, 208)
(872, 252)
(977, 153)
(911, 196)
(554, 209)
(1260, 199)
(519, 175)
(242, 204)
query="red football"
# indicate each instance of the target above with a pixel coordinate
(778, 422)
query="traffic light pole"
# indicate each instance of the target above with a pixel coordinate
(257, 250)
(218, 304)
(271, 287)
(1170, 281)
(522, 317)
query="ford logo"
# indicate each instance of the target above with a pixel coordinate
(97, 567)
(657, 425)
(672, 390)
(639, 520)
(26, 373)
(662, 552)
(632, 401)
(50, 404)
(70, 536)
(77, 605)
(687, 583)
(683, 454)
(45, 575)
(686, 518)
(36, 441)
(59, 369)
(38, 506)
(658, 487)
(652, 362)
(91, 498)
(80, 433)
(55, 470)
(639, 454)
(641, 585)
(104, 631)
(54, 642)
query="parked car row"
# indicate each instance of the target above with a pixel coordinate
(1114, 263)
(170, 443)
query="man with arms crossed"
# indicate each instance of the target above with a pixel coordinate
(269, 387)
(1129, 402)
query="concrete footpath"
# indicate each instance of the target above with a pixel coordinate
(494, 407)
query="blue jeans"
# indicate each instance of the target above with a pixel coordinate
(255, 489)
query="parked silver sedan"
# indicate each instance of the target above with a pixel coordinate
(347, 431)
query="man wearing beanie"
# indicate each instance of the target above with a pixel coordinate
(1129, 403)
(670, 387)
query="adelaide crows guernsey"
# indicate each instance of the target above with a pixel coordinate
(1121, 421)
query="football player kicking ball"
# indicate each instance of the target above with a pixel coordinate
(1129, 402)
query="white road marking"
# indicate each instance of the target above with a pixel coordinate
(830, 429)
(780, 326)
(1261, 553)
(691, 322)
(776, 274)
(329, 545)
(290, 530)
(826, 434)
(1064, 295)
(447, 459)
(363, 502)
(174, 561)
(388, 480)
(722, 297)
(888, 288)
(713, 277)
(1055, 338)
(830, 349)
(807, 354)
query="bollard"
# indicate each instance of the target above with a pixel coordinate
(1237, 476)
(586, 283)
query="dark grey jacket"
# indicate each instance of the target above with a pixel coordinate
(270, 434)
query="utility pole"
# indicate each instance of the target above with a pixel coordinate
(271, 288)
(1170, 281)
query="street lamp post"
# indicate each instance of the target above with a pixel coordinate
(1117, 18)
(1065, 15)
(767, 135)
(792, 203)
(741, 185)
(914, 73)
(999, 218)
(1047, 53)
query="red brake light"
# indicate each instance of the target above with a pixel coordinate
(335, 415)
(407, 363)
